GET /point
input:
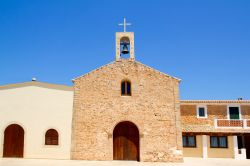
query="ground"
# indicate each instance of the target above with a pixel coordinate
(188, 162)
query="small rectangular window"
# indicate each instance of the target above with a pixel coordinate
(189, 141)
(126, 88)
(218, 142)
(201, 112)
(234, 113)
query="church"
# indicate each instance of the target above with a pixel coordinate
(124, 110)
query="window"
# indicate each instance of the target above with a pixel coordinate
(218, 141)
(51, 137)
(189, 141)
(126, 88)
(234, 112)
(201, 112)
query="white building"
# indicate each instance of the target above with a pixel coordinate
(28, 111)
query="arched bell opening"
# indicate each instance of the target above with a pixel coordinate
(125, 47)
(126, 145)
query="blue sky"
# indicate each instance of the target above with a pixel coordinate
(204, 43)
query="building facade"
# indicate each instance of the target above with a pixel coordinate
(124, 110)
(35, 120)
(217, 128)
(99, 107)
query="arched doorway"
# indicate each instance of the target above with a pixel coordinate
(13, 141)
(126, 142)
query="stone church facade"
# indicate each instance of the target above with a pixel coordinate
(153, 108)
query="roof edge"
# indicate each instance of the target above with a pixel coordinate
(38, 84)
(179, 80)
(213, 101)
(92, 71)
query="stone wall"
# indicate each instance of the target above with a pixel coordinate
(153, 108)
(245, 111)
(189, 115)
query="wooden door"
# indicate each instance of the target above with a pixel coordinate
(13, 141)
(126, 142)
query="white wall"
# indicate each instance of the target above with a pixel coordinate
(38, 109)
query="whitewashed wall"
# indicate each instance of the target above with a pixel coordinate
(38, 109)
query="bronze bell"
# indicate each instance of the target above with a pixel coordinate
(125, 49)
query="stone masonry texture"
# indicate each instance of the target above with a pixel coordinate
(154, 108)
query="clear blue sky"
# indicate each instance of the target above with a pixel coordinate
(204, 43)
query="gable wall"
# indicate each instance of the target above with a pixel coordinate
(153, 108)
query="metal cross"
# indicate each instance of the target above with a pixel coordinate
(124, 24)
